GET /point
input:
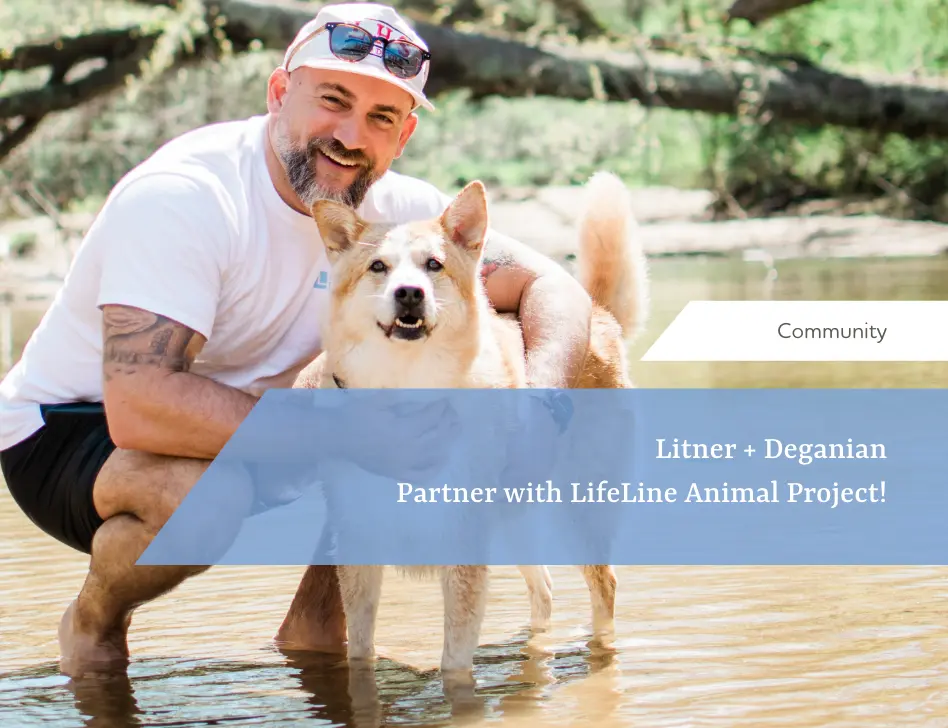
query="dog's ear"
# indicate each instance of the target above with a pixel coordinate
(465, 221)
(339, 225)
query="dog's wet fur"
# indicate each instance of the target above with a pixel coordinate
(409, 310)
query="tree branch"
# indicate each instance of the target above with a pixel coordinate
(72, 50)
(61, 96)
(123, 51)
(799, 93)
(756, 12)
(581, 20)
(16, 134)
(794, 92)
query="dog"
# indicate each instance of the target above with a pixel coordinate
(412, 295)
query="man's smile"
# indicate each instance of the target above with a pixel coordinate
(337, 161)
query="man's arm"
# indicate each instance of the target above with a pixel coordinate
(152, 400)
(167, 240)
(553, 308)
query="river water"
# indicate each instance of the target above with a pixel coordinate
(694, 646)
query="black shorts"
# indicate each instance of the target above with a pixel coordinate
(50, 474)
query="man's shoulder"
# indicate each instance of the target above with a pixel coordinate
(211, 142)
(205, 169)
(216, 155)
(401, 198)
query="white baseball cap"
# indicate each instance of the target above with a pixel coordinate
(311, 47)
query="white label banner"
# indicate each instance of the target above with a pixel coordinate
(805, 331)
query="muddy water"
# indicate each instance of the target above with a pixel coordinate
(695, 647)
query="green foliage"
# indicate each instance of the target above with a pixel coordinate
(542, 141)
(767, 165)
(76, 157)
(23, 244)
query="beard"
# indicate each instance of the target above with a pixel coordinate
(300, 165)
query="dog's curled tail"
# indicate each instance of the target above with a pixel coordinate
(611, 263)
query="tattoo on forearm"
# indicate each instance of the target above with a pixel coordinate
(492, 261)
(502, 251)
(134, 338)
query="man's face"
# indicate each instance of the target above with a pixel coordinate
(336, 133)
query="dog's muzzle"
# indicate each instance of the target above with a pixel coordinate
(409, 320)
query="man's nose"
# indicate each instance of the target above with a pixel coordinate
(350, 133)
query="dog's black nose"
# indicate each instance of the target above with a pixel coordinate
(409, 296)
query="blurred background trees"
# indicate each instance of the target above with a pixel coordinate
(777, 106)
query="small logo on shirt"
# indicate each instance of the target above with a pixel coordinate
(323, 280)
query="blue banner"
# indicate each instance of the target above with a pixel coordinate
(506, 477)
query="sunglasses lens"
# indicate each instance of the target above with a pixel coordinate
(403, 59)
(350, 43)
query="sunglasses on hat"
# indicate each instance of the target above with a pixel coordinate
(401, 58)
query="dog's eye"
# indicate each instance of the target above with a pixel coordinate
(434, 265)
(377, 266)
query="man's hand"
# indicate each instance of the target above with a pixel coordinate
(152, 400)
(553, 308)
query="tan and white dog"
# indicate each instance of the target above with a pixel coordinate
(409, 310)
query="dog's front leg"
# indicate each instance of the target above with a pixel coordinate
(602, 583)
(361, 588)
(540, 589)
(465, 601)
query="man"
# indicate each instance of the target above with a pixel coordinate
(202, 283)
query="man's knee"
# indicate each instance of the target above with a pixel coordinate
(148, 486)
(154, 488)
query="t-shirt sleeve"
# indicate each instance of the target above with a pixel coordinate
(401, 199)
(429, 201)
(441, 200)
(164, 240)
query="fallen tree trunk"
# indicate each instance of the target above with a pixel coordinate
(122, 53)
(794, 92)
(581, 20)
(756, 12)
(57, 95)
(799, 93)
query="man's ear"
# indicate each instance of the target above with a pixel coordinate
(339, 226)
(277, 86)
(408, 128)
(465, 221)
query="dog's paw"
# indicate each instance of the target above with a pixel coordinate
(456, 677)
(460, 689)
(541, 621)
(361, 656)
(603, 636)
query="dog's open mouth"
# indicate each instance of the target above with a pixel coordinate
(407, 328)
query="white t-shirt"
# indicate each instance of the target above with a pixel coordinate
(199, 234)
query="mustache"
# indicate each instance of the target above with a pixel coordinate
(299, 161)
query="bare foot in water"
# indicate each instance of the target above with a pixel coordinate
(83, 652)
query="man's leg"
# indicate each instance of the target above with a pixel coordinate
(135, 493)
(315, 620)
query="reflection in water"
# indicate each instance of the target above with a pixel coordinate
(712, 647)
(107, 701)
(319, 688)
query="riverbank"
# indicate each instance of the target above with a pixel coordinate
(35, 253)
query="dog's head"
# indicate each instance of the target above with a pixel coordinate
(406, 281)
